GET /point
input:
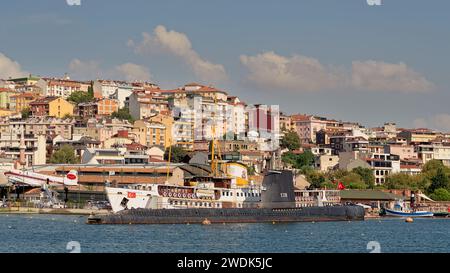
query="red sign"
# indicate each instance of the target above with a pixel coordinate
(131, 195)
(71, 176)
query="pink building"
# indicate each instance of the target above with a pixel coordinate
(307, 126)
(403, 151)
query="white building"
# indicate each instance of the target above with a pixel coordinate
(437, 151)
(51, 87)
(117, 90)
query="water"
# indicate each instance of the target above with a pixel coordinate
(51, 233)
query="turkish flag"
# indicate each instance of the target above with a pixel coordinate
(131, 195)
(341, 186)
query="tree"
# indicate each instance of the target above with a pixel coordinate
(65, 155)
(290, 140)
(289, 158)
(304, 159)
(91, 91)
(298, 161)
(432, 166)
(402, 181)
(439, 180)
(177, 156)
(440, 195)
(123, 114)
(353, 181)
(366, 175)
(316, 179)
(26, 113)
(80, 97)
(336, 174)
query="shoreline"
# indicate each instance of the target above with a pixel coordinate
(21, 210)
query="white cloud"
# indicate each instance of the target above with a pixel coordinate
(297, 73)
(10, 68)
(133, 72)
(381, 76)
(88, 70)
(178, 44)
(302, 73)
(439, 122)
(84, 70)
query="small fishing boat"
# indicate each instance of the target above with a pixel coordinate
(398, 213)
(400, 210)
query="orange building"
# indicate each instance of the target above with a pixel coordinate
(22, 101)
(107, 106)
(100, 107)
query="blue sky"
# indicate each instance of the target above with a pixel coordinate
(341, 59)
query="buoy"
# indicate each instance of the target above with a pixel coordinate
(409, 220)
(206, 222)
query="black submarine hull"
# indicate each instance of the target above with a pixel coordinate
(238, 215)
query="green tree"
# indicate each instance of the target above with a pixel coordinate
(304, 159)
(432, 166)
(65, 155)
(333, 175)
(290, 140)
(439, 180)
(91, 91)
(298, 161)
(177, 156)
(123, 114)
(316, 179)
(26, 113)
(80, 97)
(353, 181)
(289, 158)
(367, 176)
(440, 195)
(402, 181)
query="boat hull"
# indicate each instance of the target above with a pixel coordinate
(408, 214)
(252, 215)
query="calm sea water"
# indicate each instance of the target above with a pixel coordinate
(49, 233)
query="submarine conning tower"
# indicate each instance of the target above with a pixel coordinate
(278, 190)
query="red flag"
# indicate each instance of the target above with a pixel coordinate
(341, 186)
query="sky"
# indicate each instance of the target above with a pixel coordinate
(344, 60)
